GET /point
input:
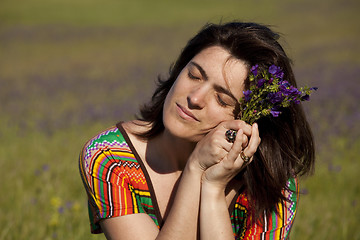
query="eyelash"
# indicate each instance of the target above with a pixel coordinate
(221, 102)
(191, 76)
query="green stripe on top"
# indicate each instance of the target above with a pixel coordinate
(293, 197)
(109, 138)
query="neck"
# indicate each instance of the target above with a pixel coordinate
(166, 153)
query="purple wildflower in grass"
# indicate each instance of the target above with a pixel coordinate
(269, 94)
(45, 167)
(69, 204)
(334, 168)
(247, 95)
(61, 209)
(304, 191)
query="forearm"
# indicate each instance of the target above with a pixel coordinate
(214, 214)
(182, 220)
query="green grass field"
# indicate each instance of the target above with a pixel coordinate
(69, 69)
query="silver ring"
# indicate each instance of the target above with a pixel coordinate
(244, 157)
(230, 135)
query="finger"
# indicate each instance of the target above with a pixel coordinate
(220, 137)
(236, 125)
(245, 141)
(237, 146)
(254, 141)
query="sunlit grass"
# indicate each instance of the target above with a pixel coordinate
(330, 207)
(122, 13)
(44, 195)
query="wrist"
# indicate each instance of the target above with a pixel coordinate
(194, 166)
(212, 189)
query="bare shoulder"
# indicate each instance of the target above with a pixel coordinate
(129, 226)
(136, 127)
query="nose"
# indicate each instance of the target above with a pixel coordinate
(196, 98)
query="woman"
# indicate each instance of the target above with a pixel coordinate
(173, 174)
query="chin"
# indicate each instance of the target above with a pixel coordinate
(183, 131)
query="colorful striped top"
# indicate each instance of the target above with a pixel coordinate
(117, 184)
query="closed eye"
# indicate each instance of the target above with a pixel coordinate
(191, 76)
(224, 97)
(224, 101)
(193, 66)
(220, 101)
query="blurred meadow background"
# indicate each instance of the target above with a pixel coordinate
(71, 68)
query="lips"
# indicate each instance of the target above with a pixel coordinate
(185, 113)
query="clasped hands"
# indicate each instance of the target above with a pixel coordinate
(220, 159)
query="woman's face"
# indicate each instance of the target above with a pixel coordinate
(204, 94)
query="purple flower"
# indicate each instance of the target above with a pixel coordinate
(269, 93)
(45, 167)
(261, 82)
(69, 204)
(283, 89)
(306, 97)
(275, 97)
(276, 71)
(254, 69)
(284, 84)
(296, 101)
(293, 91)
(247, 94)
(274, 112)
(273, 69)
(61, 209)
(288, 90)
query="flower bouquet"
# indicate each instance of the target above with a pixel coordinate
(269, 93)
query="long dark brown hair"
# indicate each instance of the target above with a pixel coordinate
(287, 147)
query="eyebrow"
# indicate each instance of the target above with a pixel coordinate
(201, 70)
(217, 87)
(220, 89)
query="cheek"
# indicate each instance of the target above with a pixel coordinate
(220, 114)
(169, 96)
(175, 89)
(167, 103)
(170, 99)
(173, 92)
